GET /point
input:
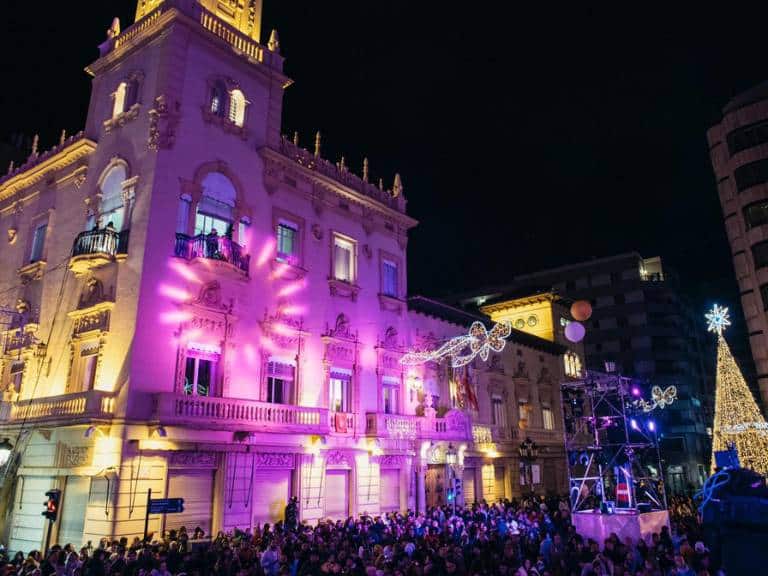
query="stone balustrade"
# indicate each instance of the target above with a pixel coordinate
(452, 427)
(240, 414)
(91, 404)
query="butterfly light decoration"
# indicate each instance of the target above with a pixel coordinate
(659, 398)
(463, 349)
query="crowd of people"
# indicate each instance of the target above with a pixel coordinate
(534, 537)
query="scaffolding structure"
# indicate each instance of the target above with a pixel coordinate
(614, 463)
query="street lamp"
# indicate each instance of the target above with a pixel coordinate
(450, 459)
(529, 451)
(5, 451)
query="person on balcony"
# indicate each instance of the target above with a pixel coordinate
(212, 244)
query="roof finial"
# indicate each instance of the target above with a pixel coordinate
(381, 184)
(114, 29)
(10, 167)
(317, 144)
(365, 169)
(274, 42)
(342, 164)
(63, 137)
(397, 187)
(296, 138)
(35, 142)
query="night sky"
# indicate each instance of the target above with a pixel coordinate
(525, 139)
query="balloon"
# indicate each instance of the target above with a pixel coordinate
(581, 310)
(575, 331)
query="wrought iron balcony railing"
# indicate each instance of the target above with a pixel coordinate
(213, 248)
(101, 241)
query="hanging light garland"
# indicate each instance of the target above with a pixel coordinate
(463, 349)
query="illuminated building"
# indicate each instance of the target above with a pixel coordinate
(740, 163)
(208, 310)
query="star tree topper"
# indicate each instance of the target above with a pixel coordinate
(717, 320)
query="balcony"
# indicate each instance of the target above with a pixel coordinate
(212, 249)
(68, 408)
(239, 414)
(455, 426)
(95, 248)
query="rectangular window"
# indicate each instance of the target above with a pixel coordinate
(548, 417)
(522, 411)
(760, 254)
(38, 242)
(498, 412)
(280, 378)
(756, 214)
(200, 373)
(389, 278)
(287, 246)
(205, 224)
(339, 390)
(84, 371)
(389, 389)
(182, 215)
(751, 174)
(17, 376)
(343, 259)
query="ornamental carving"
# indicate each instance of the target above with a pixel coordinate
(317, 232)
(193, 459)
(290, 332)
(210, 296)
(93, 294)
(341, 329)
(390, 338)
(162, 124)
(391, 461)
(274, 460)
(89, 322)
(496, 364)
(74, 456)
(336, 458)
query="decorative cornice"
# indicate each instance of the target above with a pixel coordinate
(37, 169)
(337, 189)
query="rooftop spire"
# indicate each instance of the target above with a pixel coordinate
(35, 142)
(397, 187)
(114, 29)
(63, 137)
(274, 42)
(317, 143)
(365, 169)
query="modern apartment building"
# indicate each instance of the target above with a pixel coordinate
(738, 148)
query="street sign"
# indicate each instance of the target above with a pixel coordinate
(166, 505)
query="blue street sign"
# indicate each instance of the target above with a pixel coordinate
(166, 505)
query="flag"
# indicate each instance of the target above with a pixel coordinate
(468, 391)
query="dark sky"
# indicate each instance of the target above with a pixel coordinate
(525, 139)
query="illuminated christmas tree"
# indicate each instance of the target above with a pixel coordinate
(737, 418)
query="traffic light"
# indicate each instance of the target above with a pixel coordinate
(52, 504)
(457, 488)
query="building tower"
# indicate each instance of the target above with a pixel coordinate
(737, 147)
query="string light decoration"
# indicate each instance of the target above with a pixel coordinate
(463, 349)
(659, 398)
(738, 421)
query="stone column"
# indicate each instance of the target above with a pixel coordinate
(421, 489)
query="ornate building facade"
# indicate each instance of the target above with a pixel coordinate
(200, 307)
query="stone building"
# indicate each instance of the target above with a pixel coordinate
(201, 307)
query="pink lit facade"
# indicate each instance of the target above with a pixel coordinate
(206, 309)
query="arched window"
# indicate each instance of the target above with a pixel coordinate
(237, 107)
(118, 105)
(112, 209)
(218, 99)
(215, 211)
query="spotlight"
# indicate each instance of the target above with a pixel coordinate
(635, 391)
(651, 426)
(633, 424)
